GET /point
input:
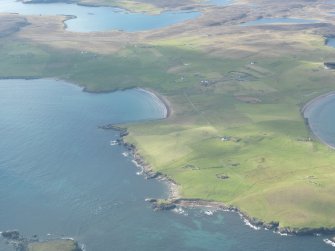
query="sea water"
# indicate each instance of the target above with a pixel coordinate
(60, 177)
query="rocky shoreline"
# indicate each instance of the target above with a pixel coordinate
(251, 221)
(175, 200)
(145, 168)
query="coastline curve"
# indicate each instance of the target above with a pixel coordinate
(306, 111)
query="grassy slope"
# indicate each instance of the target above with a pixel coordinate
(273, 175)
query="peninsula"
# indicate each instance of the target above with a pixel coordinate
(236, 135)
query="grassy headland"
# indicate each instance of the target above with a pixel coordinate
(236, 135)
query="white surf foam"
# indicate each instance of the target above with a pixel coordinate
(329, 242)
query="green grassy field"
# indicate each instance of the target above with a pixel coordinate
(274, 172)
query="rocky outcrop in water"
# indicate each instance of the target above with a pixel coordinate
(123, 131)
(152, 175)
(15, 239)
(161, 205)
(11, 235)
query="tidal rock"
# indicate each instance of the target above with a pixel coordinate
(271, 225)
(152, 175)
(11, 235)
(163, 205)
(150, 200)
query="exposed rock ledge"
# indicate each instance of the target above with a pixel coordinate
(175, 199)
(20, 243)
(254, 222)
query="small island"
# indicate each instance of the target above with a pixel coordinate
(21, 243)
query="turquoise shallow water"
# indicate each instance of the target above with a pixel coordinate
(89, 19)
(59, 176)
